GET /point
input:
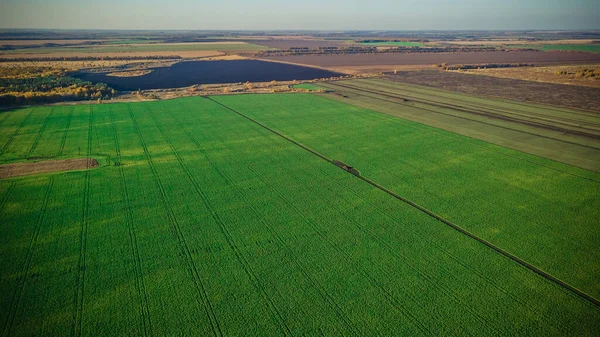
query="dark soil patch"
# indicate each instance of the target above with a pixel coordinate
(185, 74)
(29, 168)
(569, 96)
(530, 57)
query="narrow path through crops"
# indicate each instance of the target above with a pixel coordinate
(428, 212)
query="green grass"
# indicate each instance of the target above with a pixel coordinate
(207, 224)
(588, 48)
(143, 48)
(393, 44)
(308, 86)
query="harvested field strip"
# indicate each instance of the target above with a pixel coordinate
(435, 216)
(571, 128)
(29, 168)
(547, 114)
(343, 141)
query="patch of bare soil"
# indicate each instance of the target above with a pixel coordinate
(133, 73)
(562, 95)
(29, 168)
(572, 75)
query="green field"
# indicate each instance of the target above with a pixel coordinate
(393, 44)
(206, 223)
(158, 47)
(588, 48)
(308, 86)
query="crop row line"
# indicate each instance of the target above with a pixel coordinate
(229, 238)
(77, 318)
(63, 140)
(39, 135)
(389, 297)
(439, 218)
(9, 191)
(16, 299)
(139, 273)
(322, 292)
(193, 270)
(16, 132)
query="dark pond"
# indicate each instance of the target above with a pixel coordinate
(184, 74)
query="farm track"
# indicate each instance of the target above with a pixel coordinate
(16, 299)
(486, 243)
(6, 196)
(138, 270)
(77, 326)
(488, 115)
(66, 132)
(394, 252)
(323, 293)
(572, 122)
(228, 237)
(41, 131)
(429, 242)
(192, 269)
(12, 137)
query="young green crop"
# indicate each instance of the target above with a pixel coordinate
(205, 223)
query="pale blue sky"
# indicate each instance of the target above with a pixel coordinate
(301, 14)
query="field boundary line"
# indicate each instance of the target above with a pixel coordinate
(10, 139)
(191, 266)
(428, 129)
(139, 273)
(228, 237)
(39, 135)
(488, 244)
(16, 299)
(324, 294)
(63, 140)
(77, 326)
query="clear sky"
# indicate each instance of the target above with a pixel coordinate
(301, 14)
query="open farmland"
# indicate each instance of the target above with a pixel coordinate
(390, 62)
(154, 47)
(586, 48)
(207, 223)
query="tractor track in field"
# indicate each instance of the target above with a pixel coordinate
(6, 196)
(39, 135)
(386, 246)
(517, 121)
(191, 266)
(138, 270)
(323, 293)
(493, 109)
(486, 243)
(228, 237)
(14, 134)
(77, 326)
(63, 139)
(386, 294)
(16, 299)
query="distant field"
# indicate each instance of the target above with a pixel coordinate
(308, 86)
(132, 41)
(206, 223)
(135, 48)
(393, 44)
(588, 48)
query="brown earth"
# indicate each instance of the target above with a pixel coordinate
(183, 54)
(133, 73)
(391, 61)
(29, 168)
(41, 42)
(553, 74)
(569, 96)
(500, 42)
